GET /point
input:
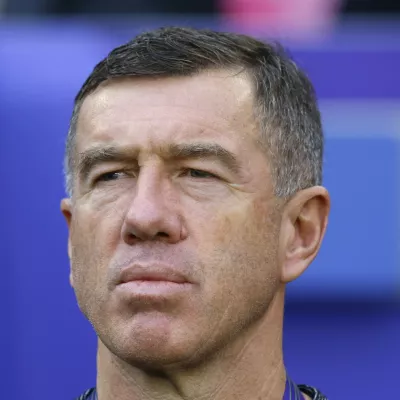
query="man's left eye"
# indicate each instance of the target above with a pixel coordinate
(197, 173)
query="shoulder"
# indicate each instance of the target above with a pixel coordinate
(312, 392)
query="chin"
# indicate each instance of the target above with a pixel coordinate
(153, 356)
(151, 343)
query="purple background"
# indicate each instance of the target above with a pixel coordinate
(342, 327)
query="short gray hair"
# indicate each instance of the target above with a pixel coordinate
(286, 104)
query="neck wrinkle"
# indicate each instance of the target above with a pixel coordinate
(251, 367)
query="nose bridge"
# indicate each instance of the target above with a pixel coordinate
(151, 214)
(149, 190)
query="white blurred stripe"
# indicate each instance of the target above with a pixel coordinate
(353, 118)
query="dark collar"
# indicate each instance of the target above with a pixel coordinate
(308, 390)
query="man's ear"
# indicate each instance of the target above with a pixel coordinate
(66, 209)
(303, 226)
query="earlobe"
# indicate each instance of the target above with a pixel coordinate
(69, 248)
(303, 227)
(71, 279)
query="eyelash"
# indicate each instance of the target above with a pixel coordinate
(101, 178)
(209, 175)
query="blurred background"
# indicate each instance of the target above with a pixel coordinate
(342, 326)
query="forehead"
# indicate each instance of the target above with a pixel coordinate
(219, 102)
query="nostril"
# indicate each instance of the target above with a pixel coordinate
(162, 234)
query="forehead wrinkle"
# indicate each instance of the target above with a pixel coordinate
(102, 127)
(234, 95)
(155, 135)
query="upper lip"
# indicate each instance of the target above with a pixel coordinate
(151, 273)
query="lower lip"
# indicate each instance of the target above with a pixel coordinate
(154, 288)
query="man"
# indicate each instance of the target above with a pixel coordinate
(193, 167)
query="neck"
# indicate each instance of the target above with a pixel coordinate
(250, 367)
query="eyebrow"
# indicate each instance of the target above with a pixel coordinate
(90, 158)
(205, 150)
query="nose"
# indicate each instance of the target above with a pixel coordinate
(153, 212)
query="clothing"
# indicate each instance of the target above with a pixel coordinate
(312, 392)
(292, 392)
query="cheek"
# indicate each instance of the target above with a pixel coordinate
(247, 223)
(240, 268)
(94, 237)
(242, 248)
(98, 222)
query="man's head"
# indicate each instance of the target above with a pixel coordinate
(198, 154)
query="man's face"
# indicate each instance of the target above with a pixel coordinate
(183, 186)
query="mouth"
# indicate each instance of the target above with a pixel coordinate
(159, 273)
(151, 282)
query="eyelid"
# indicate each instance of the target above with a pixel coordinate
(209, 175)
(202, 171)
(96, 177)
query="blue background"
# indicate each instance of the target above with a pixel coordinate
(342, 326)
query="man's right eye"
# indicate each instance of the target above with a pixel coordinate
(109, 176)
